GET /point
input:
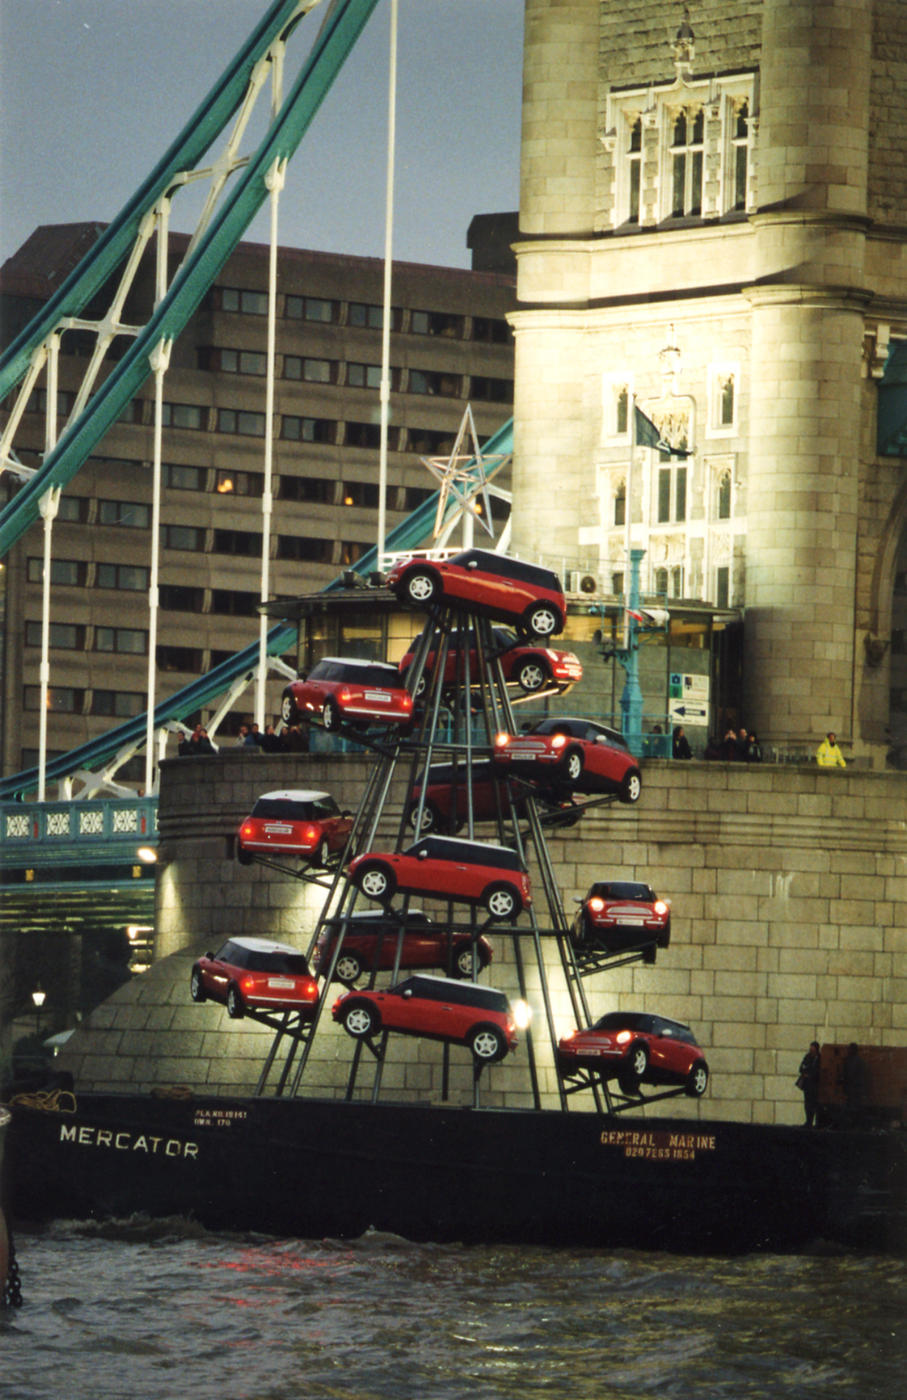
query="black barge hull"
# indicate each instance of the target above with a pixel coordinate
(313, 1168)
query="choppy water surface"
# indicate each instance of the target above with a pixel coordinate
(164, 1310)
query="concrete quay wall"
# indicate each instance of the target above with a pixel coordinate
(789, 894)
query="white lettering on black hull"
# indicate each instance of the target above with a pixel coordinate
(118, 1140)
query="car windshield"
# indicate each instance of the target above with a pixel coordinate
(373, 674)
(624, 1020)
(622, 889)
(280, 964)
(283, 809)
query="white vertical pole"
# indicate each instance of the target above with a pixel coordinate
(48, 506)
(388, 256)
(628, 516)
(275, 182)
(159, 360)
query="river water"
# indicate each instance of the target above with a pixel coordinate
(164, 1310)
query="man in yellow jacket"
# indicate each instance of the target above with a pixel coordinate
(828, 755)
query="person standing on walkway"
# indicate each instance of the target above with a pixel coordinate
(828, 755)
(808, 1082)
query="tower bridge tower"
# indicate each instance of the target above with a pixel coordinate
(735, 191)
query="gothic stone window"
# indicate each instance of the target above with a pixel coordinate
(682, 149)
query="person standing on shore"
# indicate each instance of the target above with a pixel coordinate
(808, 1082)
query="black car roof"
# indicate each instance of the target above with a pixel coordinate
(622, 889)
(508, 566)
(473, 852)
(456, 990)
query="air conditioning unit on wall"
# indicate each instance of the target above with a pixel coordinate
(581, 582)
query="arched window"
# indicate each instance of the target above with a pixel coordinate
(634, 170)
(741, 153)
(724, 496)
(620, 504)
(687, 163)
(622, 410)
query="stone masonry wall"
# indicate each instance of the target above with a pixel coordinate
(789, 891)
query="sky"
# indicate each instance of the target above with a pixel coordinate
(92, 92)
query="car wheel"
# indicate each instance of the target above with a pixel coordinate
(376, 881)
(348, 968)
(330, 715)
(531, 676)
(487, 1044)
(542, 620)
(502, 902)
(697, 1080)
(288, 711)
(235, 1006)
(650, 952)
(430, 816)
(634, 1068)
(631, 786)
(323, 854)
(243, 856)
(463, 960)
(196, 985)
(361, 1020)
(421, 586)
(573, 765)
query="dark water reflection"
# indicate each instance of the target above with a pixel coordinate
(162, 1310)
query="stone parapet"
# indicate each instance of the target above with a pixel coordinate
(789, 893)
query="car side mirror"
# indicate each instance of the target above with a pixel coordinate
(577, 899)
(423, 855)
(473, 564)
(408, 992)
(209, 955)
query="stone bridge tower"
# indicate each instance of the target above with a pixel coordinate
(712, 228)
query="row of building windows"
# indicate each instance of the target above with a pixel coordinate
(359, 375)
(291, 427)
(124, 641)
(366, 315)
(312, 489)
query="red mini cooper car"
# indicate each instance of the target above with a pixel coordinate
(475, 872)
(530, 667)
(255, 973)
(436, 1007)
(579, 755)
(619, 914)
(480, 581)
(339, 689)
(446, 805)
(371, 939)
(297, 822)
(635, 1048)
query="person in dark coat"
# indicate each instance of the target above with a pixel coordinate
(808, 1082)
(680, 747)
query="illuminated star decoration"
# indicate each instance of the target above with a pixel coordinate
(464, 479)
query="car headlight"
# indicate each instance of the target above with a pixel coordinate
(522, 1014)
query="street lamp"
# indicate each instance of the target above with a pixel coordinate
(38, 996)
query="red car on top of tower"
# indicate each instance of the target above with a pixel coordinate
(527, 596)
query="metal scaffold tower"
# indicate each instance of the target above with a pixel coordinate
(462, 703)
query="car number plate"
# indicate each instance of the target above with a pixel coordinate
(273, 830)
(379, 696)
(281, 983)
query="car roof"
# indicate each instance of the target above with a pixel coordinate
(259, 945)
(459, 846)
(292, 795)
(355, 661)
(492, 561)
(549, 725)
(484, 994)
